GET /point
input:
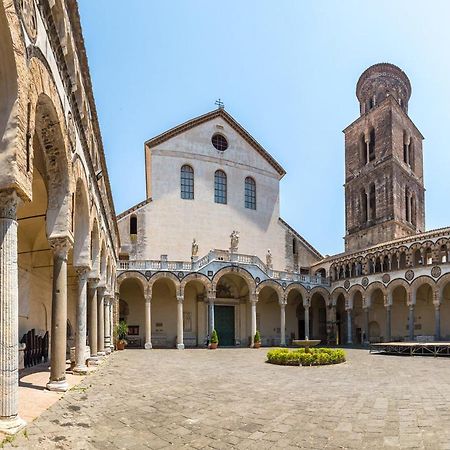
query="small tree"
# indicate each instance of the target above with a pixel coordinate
(257, 337)
(214, 337)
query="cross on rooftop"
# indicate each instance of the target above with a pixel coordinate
(220, 104)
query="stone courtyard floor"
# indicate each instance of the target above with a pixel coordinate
(230, 398)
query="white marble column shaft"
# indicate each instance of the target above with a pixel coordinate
(107, 320)
(148, 322)
(306, 322)
(92, 304)
(180, 338)
(282, 324)
(10, 422)
(253, 319)
(81, 334)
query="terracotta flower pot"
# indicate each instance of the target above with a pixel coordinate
(256, 344)
(120, 345)
(213, 345)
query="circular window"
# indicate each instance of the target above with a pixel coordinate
(219, 142)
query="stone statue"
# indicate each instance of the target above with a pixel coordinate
(234, 241)
(269, 259)
(194, 248)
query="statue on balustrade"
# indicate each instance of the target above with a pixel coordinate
(234, 241)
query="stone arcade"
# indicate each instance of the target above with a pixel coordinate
(59, 239)
(206, 248)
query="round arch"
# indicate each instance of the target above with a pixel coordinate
(244, 274)
(167, 276)
(201, 278)
(272, 284)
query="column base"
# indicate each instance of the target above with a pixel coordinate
(11, 425)
(101, 354)
(111, 347)
(80, 370)
(93, 361)
(148, 346)
(107, 350)
(57, 386)
(180, 346)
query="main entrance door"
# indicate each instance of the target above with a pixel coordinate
(224, 324)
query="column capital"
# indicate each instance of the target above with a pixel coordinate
(61, 246)
(180, 298)
(8, 204)
(306, 302)
(82, 271)
(93, 282)
(253, 298)
(283, 304)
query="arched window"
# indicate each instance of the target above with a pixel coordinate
(250, 193)
(187, 182)
(133, 225)
(220, 187)
(407, 206)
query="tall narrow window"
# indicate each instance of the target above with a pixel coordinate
(411, 154)
(187, 182)
(133, 225)
(407, 210)
(220, 187)
(363, 206)
(405, 149)
(372, 145)
(372, 202)
(294, 246)
(363, 149)
(250, 193)
(413, 210)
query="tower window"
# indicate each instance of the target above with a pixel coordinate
(363, 206)
(372, 145)
(220, 187)
(250, 193)
(413, 210)
(407, 206)
(363, 149)
(372, 202)
(294, 246)
(133, 225)
(187, 182)
(219, 142)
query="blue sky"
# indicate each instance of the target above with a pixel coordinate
(286, 70)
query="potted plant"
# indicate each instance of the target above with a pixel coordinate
(214, 340)
(121, 333)
(257, 340)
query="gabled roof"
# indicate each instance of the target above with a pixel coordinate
(220, 112)
(301, 239)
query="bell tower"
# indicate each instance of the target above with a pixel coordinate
(384, 190)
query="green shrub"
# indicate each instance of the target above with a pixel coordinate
(257, 337)
(121, 330)
(298, 357)
(214, 337)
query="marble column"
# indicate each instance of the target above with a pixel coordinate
(253, 319)
(111, 323)
(101, 321)
(148, 322)
(411, 322)
(349, 326)
(307, 321)
(388, 323)
(283, 324)
(10, 422)
(437, 322)
(92, 305)
(58, 334)
(180, 338)
(366, 326)
(211, 315)
(107, 320)
(80, 343)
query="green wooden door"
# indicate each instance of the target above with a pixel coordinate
(224, 324)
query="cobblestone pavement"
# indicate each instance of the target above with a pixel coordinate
(230, 398)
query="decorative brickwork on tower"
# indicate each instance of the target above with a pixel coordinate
(384, 190)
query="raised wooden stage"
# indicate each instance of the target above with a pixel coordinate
(412, 348)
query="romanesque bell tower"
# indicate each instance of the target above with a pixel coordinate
(384, 190)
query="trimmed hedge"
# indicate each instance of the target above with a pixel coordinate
(298, 357)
